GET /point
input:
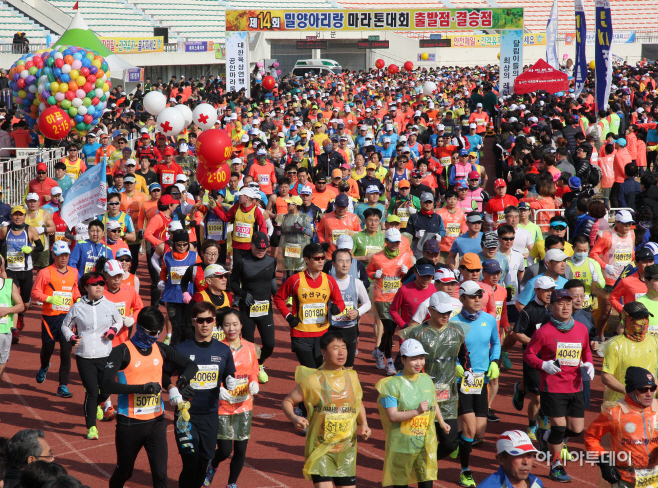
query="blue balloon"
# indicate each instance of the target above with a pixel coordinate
(77, 56)
(79, 118)
(65, 77)
(66, 52)
(57, 72)
(27, 102)
(83, 52)
(47, 70)
(90, 110)
(87, 63)
(94, 122)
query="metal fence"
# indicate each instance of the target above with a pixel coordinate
(19, 170)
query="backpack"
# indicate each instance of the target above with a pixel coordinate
(594, 177)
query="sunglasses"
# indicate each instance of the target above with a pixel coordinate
(292, 172)
(477, 295)
(506, 239)
(647, 389)
(156, 190)
(473, 270)
(98, 283)
(462, 189)
(318, 258)
(558, 227)
(41, 172)
(125, 260)
(204, 320)
(114, 203)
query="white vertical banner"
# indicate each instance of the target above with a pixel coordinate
(237, 62)
(551, 38)
(511, 59)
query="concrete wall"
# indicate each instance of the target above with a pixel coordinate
(45, 13)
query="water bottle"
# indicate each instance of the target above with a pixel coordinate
(183, 421)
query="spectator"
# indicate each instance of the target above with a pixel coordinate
(25, 447)
(39, 473)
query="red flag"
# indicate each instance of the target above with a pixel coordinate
(75, 7)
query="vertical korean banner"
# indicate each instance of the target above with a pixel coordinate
(581, 59)
(551, 38)
(511, 59)
(237, 62)
(603, 54)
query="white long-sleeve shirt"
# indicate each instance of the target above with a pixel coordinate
(91, 321)
(361, 293)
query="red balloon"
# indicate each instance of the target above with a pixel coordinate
(21, 83)
(409, 66)
(91, 79)
(54, 123)
(84, 72)
(380, 63)
(213, 178)
(269, 82)
(214, 147)
(393, 68)
(87, 87)
(59, 63)
(69, 95)
(29, 64)
(87, 119)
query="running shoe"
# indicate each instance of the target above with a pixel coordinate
(21, 323)
(543, 422)
(543, 445)
(379, 359)
(466, 479)
(210, 474)
(92, 433)
(565, 455)
(492, 417)
(262, 375)
(532, 433)
(64, 392)
(232, 485)
(390, 368)
(505, 361)
(559, 474)
(477, 442)
(455, 453)
(99, 413)
(109, 414)
(519, 396)
(289, 301)
(14, 335)
(41, 374)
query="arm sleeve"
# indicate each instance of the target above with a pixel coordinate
(41, 282)
(363, 274)
(188, 276)
(282, 295)
(335, 296)
(364, 300)
(621, 196)
(600, 247)
(138, 305)
(229, 369)
(182, 362)
(67, 325)
(236, 274)
(442, 228)
(151, 228)
(320, 230)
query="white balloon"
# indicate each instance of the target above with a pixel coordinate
(25, 73)
(204, 116)
(66, 68)
(99, 92)
(187, 113)
(76, 102)
(58, 56)
(82, 110)
(155, 102)
(170, 121)
(429, 87)
(32, 89)
(42, 107)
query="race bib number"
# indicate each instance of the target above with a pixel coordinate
(146, 404)
(501, 215)
(336, 233)
(168, 179)
(15, 260)
(481, 122)
(623, 257)
(293, 252)
(569, 353)
(587, 302)
(314, 313)
(442, 392)
(390, 284)
(474, 387)
(448, 129)
(396, 185)
(242, 230)
(206, 378)
(60, 236)
(216, 230)
(264, 179)
(73, 176)
(176, 274)
(387, 161)
(260, 308)
(218, 334)
(67, 296)
(403, 213)
(416, 426)
(337, 427)
(499, 311)
(241, 391)
(445, 161)
(373, 249)
(646, 478)
(343, 315)
(454, 230)
(121, 307)
(89, 267)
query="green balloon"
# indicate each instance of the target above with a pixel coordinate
(80, 126)
(99, 83)
(88, 126)
(33, 70)
(50, 61)
(104, 66)
(62, 49)
(73, 111)
(103, 98)
(51, 100)
(51, 77)
(66, 104)
(90, 55)
(86, 101)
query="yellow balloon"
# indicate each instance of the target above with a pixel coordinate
(106, 87)
(592, 64)
(63, 87)
(54, 87)
(108, 73)
(96, 63)
(424, 56)
(498, 55)
(81, 81)
(74, 73)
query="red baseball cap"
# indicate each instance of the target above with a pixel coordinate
(499, 182)
(169, 151)
(473, 175)
(42, 167)
(145, 136)
(427, 147)
(168, 200)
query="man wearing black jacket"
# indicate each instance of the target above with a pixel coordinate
(648, 197)
(329, 159)
(417, 188)
(569, 133)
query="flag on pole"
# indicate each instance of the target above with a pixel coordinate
(87, 197)
(603, 54)
(580, 67)
(551, 38)
(75, 7)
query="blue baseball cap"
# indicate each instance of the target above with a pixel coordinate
(621, 141)
(558, 294)
(425, 269)
(491, 266)
(463, 152)
(461, 184)
(342, 200)
(154, 186)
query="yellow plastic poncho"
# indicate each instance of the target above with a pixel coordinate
(333, 402)
(410, 445)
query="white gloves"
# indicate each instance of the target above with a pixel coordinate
(420, 233)
(175, 397)
(412, 210)
(187, 297)
(590, 369)
(40, 230)
(5, 224)
(128, 321)
(155, 261)
(253, 388)
(479, 146)
(610, 269)
(231, 383)
(550, 368)
(404, 269)
(378, 274)
(437, 237)
(161, 285)
(224, 395)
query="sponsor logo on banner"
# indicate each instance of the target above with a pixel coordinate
(618, 37)
(199, 46)
(134, 45)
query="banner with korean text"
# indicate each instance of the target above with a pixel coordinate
(603, 54)
(493, 40)
(580, 68)
(618, 37)
(511, 59)
(134, 45)
(237, 62)
(373, 19)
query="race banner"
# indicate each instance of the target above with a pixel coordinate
(580, 68)
(603, 55)
(493, 40)
(87, 197)
(551, 34)
(618, 37)
(511, 59)
(199, 46)
(237, 62)
(373, 19)
(134, 75)
(134, 45)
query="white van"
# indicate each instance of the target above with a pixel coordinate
(319, 67)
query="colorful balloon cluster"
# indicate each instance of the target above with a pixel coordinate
(69, 77)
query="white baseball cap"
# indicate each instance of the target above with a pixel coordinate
(55, 190)
(214, 269)
(469, 288)
(345, 242)
(444, 275)
(514, 442)
(32, 196)
(393, 235)
(113, 224)
(624, 217)
(412, 348)
(473, 126)
(113, 267)
(555, 255)
(122, 252)
(61, 247)
(441, 302)
(175, 225)
(544, 283)
(181, 177)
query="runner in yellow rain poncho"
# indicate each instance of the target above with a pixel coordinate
(332, 396)
(407, 406)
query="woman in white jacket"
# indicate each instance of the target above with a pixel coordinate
(90, 325)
